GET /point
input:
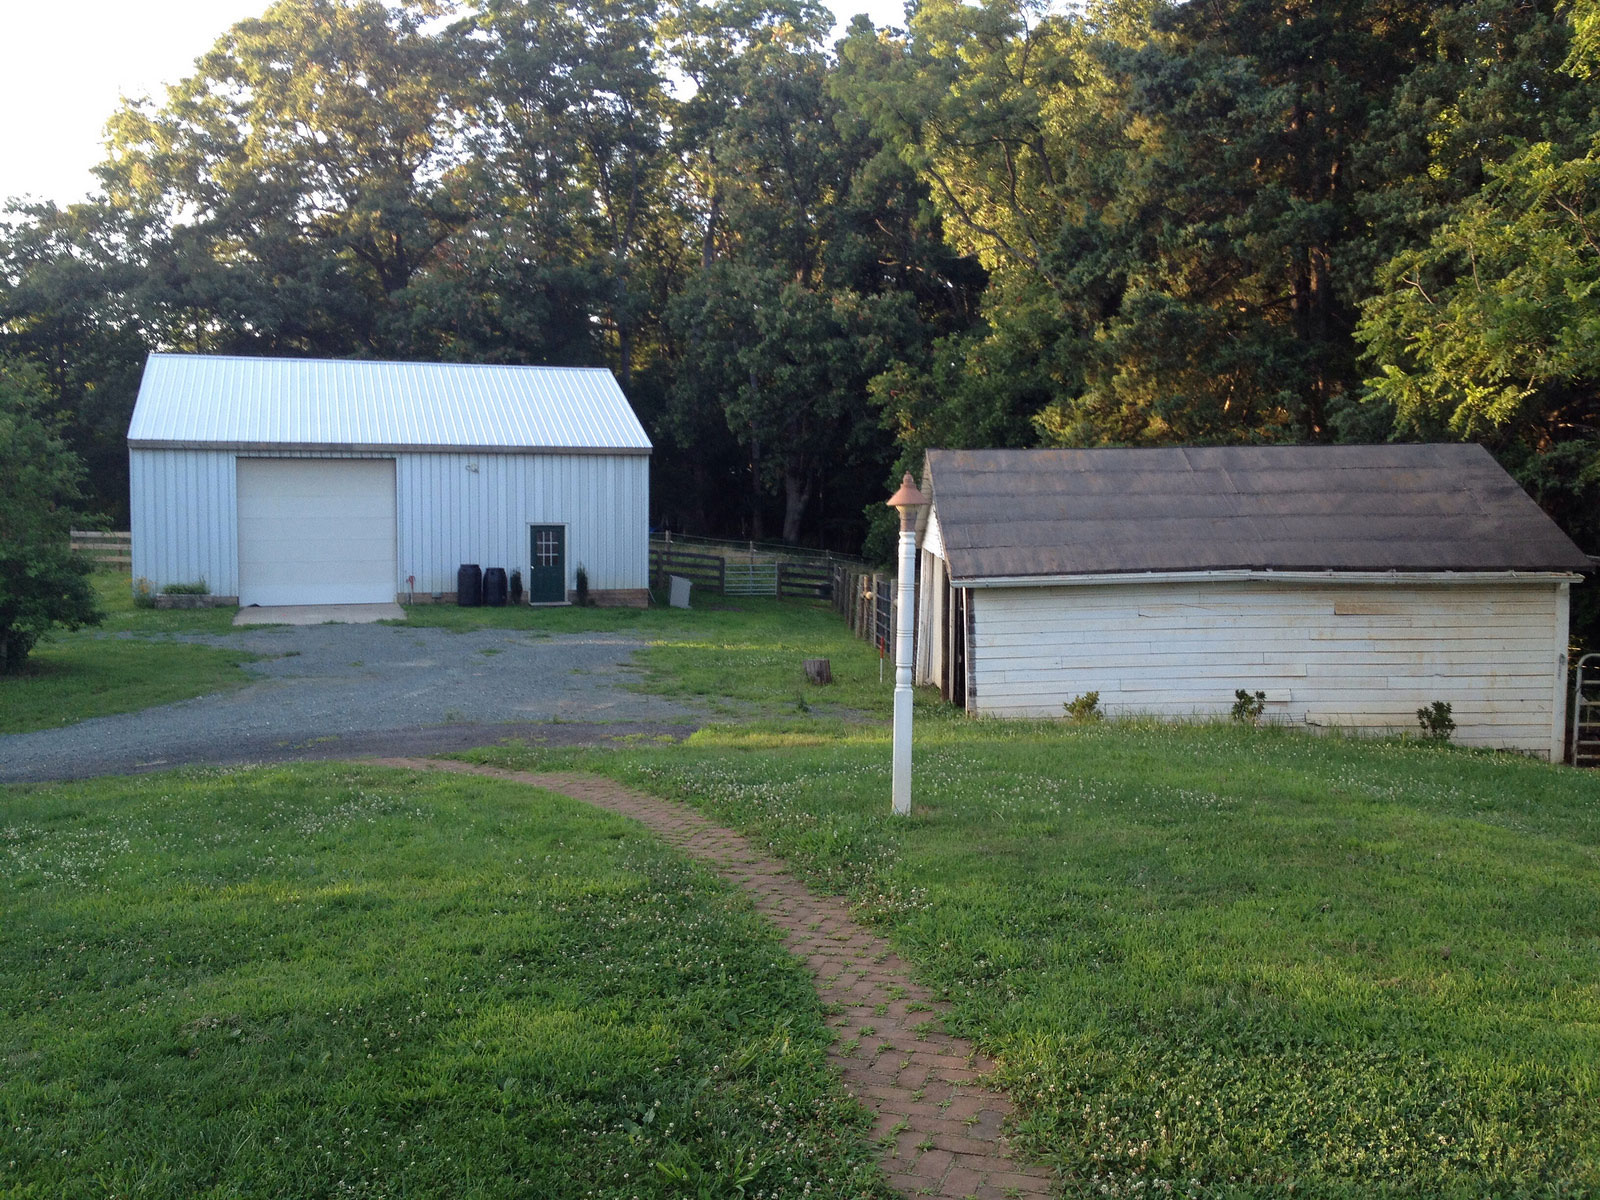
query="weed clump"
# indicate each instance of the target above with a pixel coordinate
(1084, 709)
(1247, 706)
(1436, 722)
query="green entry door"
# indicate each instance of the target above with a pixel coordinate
(547, 558)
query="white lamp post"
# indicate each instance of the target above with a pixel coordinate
(906, 501)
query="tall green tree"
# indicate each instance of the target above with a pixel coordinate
(1164, 195)
(1483, 323)
(73, 304)
(43, 584)
(305, 173)
(826, 266)
(569, 138)
(712, 44)
(788, 367)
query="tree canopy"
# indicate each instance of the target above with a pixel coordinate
(1009, 223)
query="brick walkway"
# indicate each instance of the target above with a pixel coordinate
(939, 1129)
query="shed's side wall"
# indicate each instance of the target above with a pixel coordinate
(932, 596)
(1365, 656)
(452, 509)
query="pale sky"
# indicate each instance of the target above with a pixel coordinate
(63, 67)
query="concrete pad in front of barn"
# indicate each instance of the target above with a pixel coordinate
(318, 614)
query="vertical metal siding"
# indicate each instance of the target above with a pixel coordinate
(141, 510)
(184, 518)
(185, 515)
(450, 515)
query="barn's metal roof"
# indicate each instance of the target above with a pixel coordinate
(1007, 514)
(217, 402)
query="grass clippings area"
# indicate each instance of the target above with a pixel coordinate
(123, 665)
(1213, 960)
(339, 981)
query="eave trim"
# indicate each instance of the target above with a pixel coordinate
(1393, 578)
(285, 449)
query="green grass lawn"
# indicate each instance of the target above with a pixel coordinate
(86, 676)
(336, 981)
(740, 657)
(123, 616)
(125, 664)
(1213, 961)
(1220, 960)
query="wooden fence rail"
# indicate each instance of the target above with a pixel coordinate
(729, 575)
(107, 547)
(804, 580)
(750, 551)
(703, 570)
(866, 600)
(763, 576)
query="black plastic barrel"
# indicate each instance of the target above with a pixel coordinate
(494, 587)
(469, 585)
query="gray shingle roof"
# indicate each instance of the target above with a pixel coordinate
(217, 401)
(1010, 513)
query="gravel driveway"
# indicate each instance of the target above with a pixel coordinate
(335, 690)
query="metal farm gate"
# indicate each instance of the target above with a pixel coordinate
(750, 579)
(1586, 712)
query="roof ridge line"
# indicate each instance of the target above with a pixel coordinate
(184, 356)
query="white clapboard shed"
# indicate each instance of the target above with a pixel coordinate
(1350, 584)
(314, 481)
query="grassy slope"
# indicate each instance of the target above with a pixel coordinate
(1220, 959)
(327, 980)
(93, 673)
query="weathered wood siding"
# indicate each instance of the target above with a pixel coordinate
(1351, 655)
(932, 599)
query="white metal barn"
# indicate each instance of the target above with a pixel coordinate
(1351, 584)
(308, 481)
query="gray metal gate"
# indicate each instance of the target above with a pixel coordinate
(750, 579)
(1586, 712)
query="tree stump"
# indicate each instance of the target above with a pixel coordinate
(819, 670)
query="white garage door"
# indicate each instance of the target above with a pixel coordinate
(316, 531)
